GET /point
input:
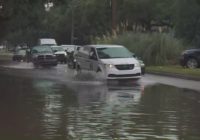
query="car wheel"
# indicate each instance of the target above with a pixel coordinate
(36, 65)
(74, 65)
(69, 64)
(143, 71)
(192, 63)
(55, 64)
(100, 74)
(78, 69)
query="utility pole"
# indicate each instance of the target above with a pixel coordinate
(114, 14)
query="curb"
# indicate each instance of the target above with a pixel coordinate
(174, 75)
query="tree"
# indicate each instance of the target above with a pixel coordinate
(187, 21)
(23, 20)
(90, 18)
(145, 13)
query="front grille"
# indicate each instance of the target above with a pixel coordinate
(45, 57)
(60, 55)
(49, 57)
(41, 57)
(124, 75)
(125, 67)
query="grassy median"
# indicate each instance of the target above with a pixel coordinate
(174, 70)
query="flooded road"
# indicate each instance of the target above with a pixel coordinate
(51, 104)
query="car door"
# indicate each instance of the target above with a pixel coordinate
(84, 60)
(93, 66)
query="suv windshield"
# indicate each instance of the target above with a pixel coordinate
(42, 49)
(113, 52)
(58, 49)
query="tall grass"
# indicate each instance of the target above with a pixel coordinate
(153, 48)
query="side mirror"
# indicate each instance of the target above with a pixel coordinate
(33, 51)
(134, 55)
(93, 56)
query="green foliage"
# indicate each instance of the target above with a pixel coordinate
(177, 70)
(27, 20)
(145, 13)
(187, 21)
(153, 48)
(91, 21)
(22, 19)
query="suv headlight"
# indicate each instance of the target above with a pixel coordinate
(109, 66)
(141, 63)
(137, 64)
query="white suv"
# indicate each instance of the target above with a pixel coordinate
(114, 61)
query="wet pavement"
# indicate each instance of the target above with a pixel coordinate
(54, 104)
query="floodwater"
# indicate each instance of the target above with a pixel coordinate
(38, 108)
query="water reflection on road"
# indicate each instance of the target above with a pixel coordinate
(34, 108)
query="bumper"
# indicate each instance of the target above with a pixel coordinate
(18, 58)
(123, 74)
(143, 70)
(47, 62)
(61, 58)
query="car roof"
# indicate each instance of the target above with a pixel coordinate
(54, 46)
(49, 41)
(68, 45)
(105, 46)
(42, 46)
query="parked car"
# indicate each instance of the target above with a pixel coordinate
(19, 55)
(47, 41)
(43, 56)
(114, 61)
(190, 58)
(69, 48)
(60, 53)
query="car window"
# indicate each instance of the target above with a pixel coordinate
(84, 52)
(113, 52)
(21, 52)
(57, 49)
(42, 49)
(92, 54)
(68, 47)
